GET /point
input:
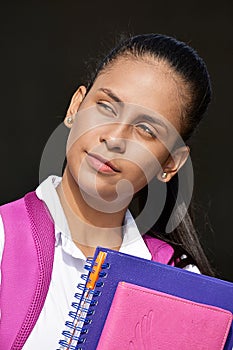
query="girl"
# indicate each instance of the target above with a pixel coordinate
(128, 126)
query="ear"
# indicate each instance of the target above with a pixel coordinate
(76, 100)
(174, 162)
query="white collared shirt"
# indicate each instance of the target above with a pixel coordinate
(68, 267)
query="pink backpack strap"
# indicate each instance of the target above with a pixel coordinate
(26, 267)
(161, 251)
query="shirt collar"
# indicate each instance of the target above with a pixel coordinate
(132, 244)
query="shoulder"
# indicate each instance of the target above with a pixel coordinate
(164, 253)
(2, 237)
(2, 242)
(161, 251)
(6, 210)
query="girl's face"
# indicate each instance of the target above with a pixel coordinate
(124, 129)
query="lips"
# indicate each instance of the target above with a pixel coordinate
(101, 164)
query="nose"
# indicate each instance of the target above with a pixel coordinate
(114, 138)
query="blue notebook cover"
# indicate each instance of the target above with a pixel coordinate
(178, 282)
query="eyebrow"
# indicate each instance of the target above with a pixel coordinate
(111, 94)
(146, 117)
(154, 120)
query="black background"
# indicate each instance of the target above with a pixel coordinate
(44, 46)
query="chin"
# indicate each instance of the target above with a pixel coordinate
(104, 200)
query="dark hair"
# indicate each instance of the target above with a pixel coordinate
(182, 58)
(196, 95)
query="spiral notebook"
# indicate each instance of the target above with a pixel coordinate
(108, 268)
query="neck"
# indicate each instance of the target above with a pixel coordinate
(89, 227)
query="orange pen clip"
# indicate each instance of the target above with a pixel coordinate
(96, 270)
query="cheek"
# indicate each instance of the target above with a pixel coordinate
(146, 158)
(87, 123)
(136, 176)
(81, 139)
(75, 155)
(77, 137)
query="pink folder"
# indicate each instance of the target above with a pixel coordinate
(144, 319)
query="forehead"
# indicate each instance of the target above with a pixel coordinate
(151, 85)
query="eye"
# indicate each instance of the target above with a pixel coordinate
(145, 129)
(106, 107)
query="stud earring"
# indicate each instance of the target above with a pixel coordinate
(164, 175)
(69, 120)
